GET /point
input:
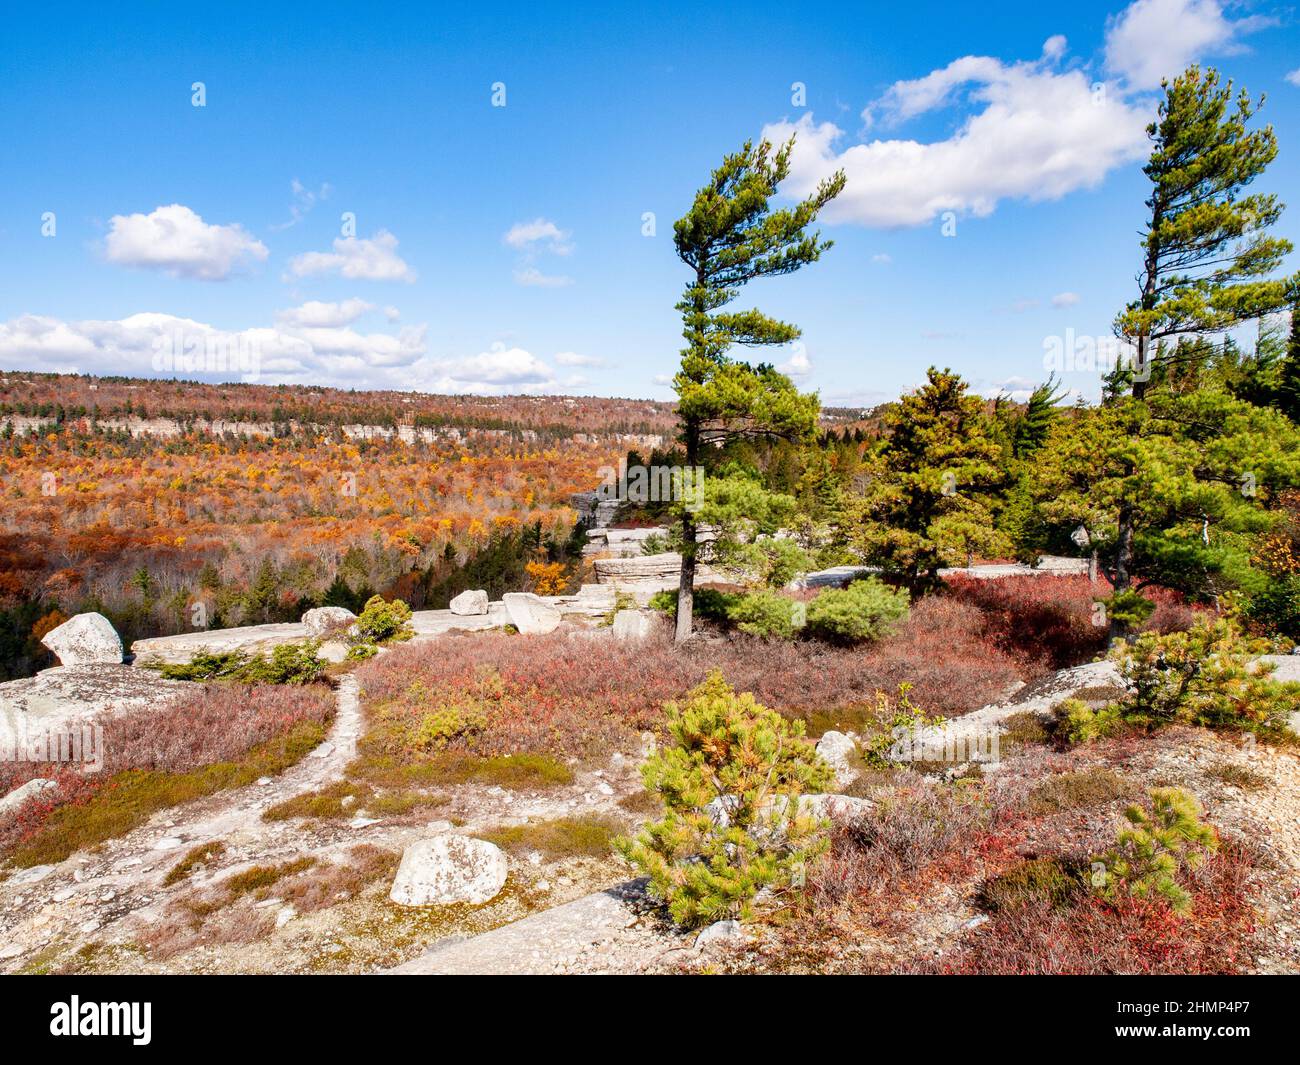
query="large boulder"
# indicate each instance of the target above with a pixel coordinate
(474, 601)
(447, 870)
(323, 620)
(85, 640)
(839, 752)
(531, 614)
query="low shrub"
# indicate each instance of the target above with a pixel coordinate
(1077, 790)
(1164, 839)
(730, 782)
(382, 621)
(196, 858)
(767, 613)
(1043, 881)
(865, 610)
(295, 663)
(1204, 676)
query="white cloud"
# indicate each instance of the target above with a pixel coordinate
(572, 358)
(154, 344)
(1017, 389)
(317, 314)
(532, 277)
(799, 364)
(540, 232)
(1038, 134)
(1294, 77)
(884, 258)
(178, 242)
(1065, 299)
(1152, 39)
(375, 259)
(164, 345)
(303, 201)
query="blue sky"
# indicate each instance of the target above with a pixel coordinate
(500, 249)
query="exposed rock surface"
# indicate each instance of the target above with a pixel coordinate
(56, 697)
(85, 640)
(649, 572)
(839, 750)
(449, 869)
(251, 639)
(471, 602)
(323, 620)
(31, 790)
(531, 614)
(633, 625)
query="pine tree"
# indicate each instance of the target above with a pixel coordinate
(734, 825)
(1207, 252)
(1288, 393)
(730, 237)
(928, 505)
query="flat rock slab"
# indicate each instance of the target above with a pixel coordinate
(436, 622)
(603, 932)
(56, 697)
(251, 639)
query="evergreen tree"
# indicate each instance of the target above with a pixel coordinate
(1288, 392)
(1207, 248)
(729, 237)
(929, 503)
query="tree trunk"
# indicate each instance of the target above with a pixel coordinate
(686, 585)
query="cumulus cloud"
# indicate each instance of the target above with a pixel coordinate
(1294, 77)
(884, 258)
(375, 259)
(176, 241)
(799, 365)
(1152, 39)
(154, 344)
(1065, 299)
(318, 314)
(1038, 133)
(540, 232)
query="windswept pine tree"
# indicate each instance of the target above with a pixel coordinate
(730, 237)
(1288, 391)
(1208, 253)
(1208, 257)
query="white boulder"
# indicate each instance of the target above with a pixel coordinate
(85, 640)
(838, 751)
(474, 601)
(531, 614)
(720, 933)
(323, 620)
(31, 790)
(449, 869)
(633, 625)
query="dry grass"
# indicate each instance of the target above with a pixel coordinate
(332, 803)
(1240, 777)
(194, 859)
(1078, 790)
(567, 837)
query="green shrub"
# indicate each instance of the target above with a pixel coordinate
(1075, 721)
(291, 663)
(730, 782)
(865, 610)
(1162, 842)
(382, 621)
(1203, 676)
(1130, 608)
(763, 613)
(294, 663)
(1042, 880)
(710, 603)
(896, 719)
